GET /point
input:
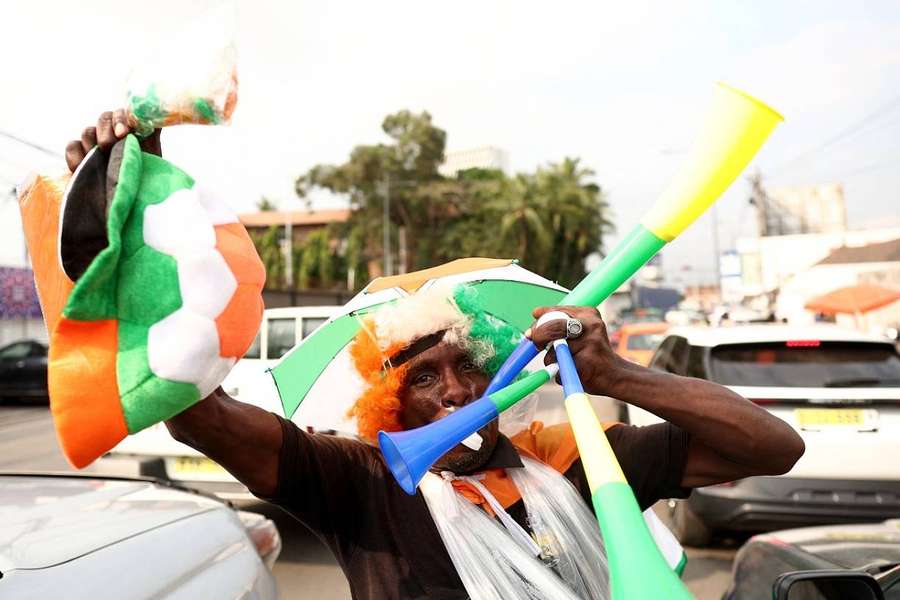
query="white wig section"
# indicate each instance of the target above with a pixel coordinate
(423, 313)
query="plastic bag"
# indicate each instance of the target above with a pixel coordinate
(192, 78)
(493, 564)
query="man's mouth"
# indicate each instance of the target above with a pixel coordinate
(474, 441)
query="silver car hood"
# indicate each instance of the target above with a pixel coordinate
(45, 520)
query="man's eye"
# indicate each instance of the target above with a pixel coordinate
(423, 379)
(469, 366)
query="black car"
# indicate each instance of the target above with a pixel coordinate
(23, 372)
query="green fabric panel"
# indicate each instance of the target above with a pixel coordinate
(514, 392)
(629, 255)
(169, 399)
(298, 371)
(160, 179)
(513, 301)
(637, 568)
(132, 366)
(148, 269)
(93, 297)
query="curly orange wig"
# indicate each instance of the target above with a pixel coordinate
(378, 408)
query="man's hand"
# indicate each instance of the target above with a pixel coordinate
(110, 128)
(599, 367)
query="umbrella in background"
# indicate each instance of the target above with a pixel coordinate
(855, 299)
(316, 380)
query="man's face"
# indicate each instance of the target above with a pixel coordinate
(440, 380)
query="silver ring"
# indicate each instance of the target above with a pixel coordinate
(574, 328)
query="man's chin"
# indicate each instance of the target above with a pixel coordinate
(462, 460)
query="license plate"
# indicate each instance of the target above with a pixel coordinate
(834, 419)
(195, 468)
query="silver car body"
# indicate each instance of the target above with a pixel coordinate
(82, 537)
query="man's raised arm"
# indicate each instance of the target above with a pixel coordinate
(244, 439)
(731, 437)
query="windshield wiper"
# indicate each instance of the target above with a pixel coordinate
(860, 381)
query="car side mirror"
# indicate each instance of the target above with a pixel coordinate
(826, 585)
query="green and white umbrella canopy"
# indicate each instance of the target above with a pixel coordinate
(316, 380)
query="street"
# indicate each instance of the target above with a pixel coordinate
(305, 568)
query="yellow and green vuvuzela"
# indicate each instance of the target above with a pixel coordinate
(736, 127)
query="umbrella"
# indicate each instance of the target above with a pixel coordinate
(855, 299)
(316, 380)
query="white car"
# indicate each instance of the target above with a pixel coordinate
(839, 389)
(73, 536)
(153, 452)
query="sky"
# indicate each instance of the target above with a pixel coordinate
(621, 85)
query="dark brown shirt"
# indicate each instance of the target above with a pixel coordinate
(385, 540)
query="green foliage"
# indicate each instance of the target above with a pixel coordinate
(551, 219)
(265, 205)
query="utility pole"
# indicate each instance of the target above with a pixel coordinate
(760, 200)
(716, 252)
(386, 227)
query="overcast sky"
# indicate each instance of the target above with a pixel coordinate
(622, 85)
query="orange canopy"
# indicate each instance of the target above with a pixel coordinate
(853, 299)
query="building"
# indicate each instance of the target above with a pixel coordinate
(766, 264)
(20, 311)
(877, 263)
(484, 157)
(802, 209)
(301, 222)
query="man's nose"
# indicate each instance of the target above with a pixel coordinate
(456, 392)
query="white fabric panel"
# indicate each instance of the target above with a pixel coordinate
(183, 347)
(215, 376)
(206, 282)
(219, 212)
(178, 224)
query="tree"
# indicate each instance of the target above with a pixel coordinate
(399, 169)
(550, 220)
(265, 205)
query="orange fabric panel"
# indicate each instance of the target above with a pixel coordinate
(83, 389)
(39, 202)
(413, 281)
(239, 322)
(235, 245)
(554, 446)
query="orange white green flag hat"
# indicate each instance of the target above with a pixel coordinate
(151, 291)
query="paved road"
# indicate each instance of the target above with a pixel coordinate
(306, 568)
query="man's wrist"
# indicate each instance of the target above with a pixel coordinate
(615, 379)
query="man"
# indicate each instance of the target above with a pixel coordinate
(425, 357)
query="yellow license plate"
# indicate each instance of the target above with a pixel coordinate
(854, 419)
(191, 465)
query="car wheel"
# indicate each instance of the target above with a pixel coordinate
(688, 527)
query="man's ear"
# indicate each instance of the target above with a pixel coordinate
(85, 207)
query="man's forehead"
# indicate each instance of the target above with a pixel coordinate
(443, 350)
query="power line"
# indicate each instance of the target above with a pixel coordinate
(845, 133)
(30, 144)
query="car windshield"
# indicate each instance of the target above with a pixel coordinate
(644, 341)
(806, 363)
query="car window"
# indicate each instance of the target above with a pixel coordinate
(15, 351)
(253, 351)
(644, 341)
(892, 591)
(310, 324)
(661, 358)
(695, 364)
(281, 337)
(806, 363)
(37, 351)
